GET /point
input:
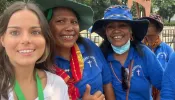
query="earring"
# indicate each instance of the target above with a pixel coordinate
(131, 38)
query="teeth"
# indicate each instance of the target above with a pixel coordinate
(69, 37)
(25, 51)
(118, 37)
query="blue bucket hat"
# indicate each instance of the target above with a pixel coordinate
(121, 13)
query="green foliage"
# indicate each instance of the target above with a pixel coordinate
(165, 8)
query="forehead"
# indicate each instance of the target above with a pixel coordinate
(118, 23)
(23, 17)
(63, 11)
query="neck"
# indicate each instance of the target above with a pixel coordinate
(64, 52)
(121, 58)
(24, 74)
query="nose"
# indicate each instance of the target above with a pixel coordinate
(26, 38)
(69, 27)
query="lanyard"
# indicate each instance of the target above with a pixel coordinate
(21, 96)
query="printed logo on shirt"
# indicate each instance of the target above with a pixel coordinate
(161, 55)
(91, 60)
(137, 70)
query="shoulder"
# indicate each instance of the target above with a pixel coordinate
(171, 65)
(146, 50)
(90, 42)
(91, 45)
(166, 45)
(172, 58)
(56, 88)
(56, 80)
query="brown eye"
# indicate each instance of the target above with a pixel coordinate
(36, 32)
(74, 22)
(60, 21)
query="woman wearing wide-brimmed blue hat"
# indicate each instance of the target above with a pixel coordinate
(134, 67)
(78, 60)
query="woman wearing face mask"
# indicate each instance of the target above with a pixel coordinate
(78, 60)
(134, 67)
(26, 56)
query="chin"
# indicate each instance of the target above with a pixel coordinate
(118, 44)
(27, 62)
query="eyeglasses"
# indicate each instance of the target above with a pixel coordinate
(125, 77)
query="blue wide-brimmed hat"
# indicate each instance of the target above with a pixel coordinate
(121, 13)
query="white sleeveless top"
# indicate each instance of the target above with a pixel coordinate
(56, 88)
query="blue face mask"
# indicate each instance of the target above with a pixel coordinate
(122, 49)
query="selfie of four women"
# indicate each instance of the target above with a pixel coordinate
(44, 56)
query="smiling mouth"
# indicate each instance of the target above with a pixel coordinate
(26, 51)
(118, 37)
(68, 37)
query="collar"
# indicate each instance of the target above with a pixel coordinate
(130, 56)
(82, 49)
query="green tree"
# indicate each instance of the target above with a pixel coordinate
(99, 6)
(165, 8)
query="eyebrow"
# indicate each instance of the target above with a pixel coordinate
(19, 27)
(13, 27)
(35, 27)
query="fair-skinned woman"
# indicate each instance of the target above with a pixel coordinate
(26, 58)
(131, 62)
(88, 77)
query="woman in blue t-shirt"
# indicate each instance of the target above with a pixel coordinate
(78, 60)
(154, 42)
(134, 67)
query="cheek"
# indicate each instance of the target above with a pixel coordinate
(107, 33)
(77, 29)
(42, 43)
(10, 43)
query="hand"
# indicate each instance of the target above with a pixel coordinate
(96, 96)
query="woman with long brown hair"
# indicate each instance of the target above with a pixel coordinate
(26, 56)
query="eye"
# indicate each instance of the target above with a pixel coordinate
(36, 32)
(75, 22)
(14, 33)
(123, 26)
(60, 21)
(110, 26)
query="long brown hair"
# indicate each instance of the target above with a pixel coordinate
(7, 75)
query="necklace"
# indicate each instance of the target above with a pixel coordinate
(21, 96)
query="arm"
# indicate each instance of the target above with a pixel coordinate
(169, 51)
(168, 82)
(153, 68)
(107, 78)
(108, 91)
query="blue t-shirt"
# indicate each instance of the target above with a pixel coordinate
(168, 81)
(163, 52)
(96, 71)
(146, 71)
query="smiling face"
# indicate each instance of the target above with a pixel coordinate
(64, 26)
(23, 40)
(118, 33)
